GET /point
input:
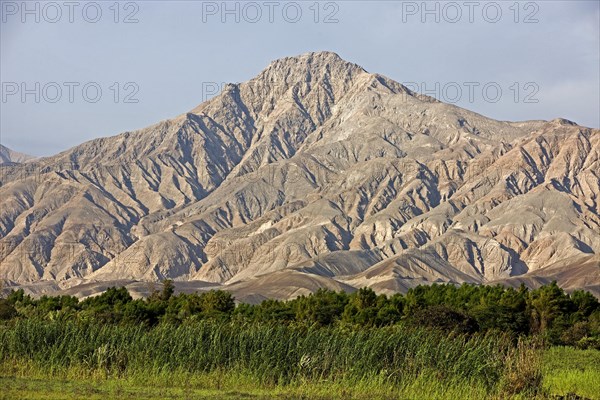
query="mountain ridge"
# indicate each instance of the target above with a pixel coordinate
(314, 167)
(10, 156)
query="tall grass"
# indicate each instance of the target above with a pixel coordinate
(270, 354)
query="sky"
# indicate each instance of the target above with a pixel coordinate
(75, 71)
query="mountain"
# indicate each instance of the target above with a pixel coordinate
(316, 173)
(9, 156)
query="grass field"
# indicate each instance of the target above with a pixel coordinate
(46, 388)
(67, 360)
(565, 370)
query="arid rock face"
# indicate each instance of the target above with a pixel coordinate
(9, 156)
(314, 174)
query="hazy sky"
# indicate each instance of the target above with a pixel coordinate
(529, 60)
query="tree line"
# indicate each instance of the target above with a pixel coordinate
(549, 312)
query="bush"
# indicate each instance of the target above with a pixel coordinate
(7, 310)
(445, 319)
(523, 370)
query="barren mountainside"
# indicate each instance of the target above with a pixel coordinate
(314, 174)
(10, 156)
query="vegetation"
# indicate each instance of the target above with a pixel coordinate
(441, 340)
(569, 370)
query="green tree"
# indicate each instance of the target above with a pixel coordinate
(17, 297)
(547, 303)
(271, 311)
(444, 318)
(362, 307)
(584, 304)
(167, 290)
(7, 310)
(390, 311)
(108, 306)
(216, 303)
(323, 307)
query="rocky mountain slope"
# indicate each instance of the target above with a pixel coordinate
(314, 174)
(10, 156)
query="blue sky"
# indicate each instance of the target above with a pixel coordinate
(532, 60)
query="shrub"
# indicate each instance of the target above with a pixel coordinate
(7, 310)
(445, 319)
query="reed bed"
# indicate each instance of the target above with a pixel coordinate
(272, 354)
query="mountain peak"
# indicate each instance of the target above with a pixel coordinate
(562, 121)
(304, 66)
(314, 58)
(323, 75)
(315, 168)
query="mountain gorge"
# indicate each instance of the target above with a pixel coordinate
(314, 174)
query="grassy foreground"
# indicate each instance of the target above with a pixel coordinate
(58, 359)
(566, 372)
(231, 387)
(74, 359)
(435, 342)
